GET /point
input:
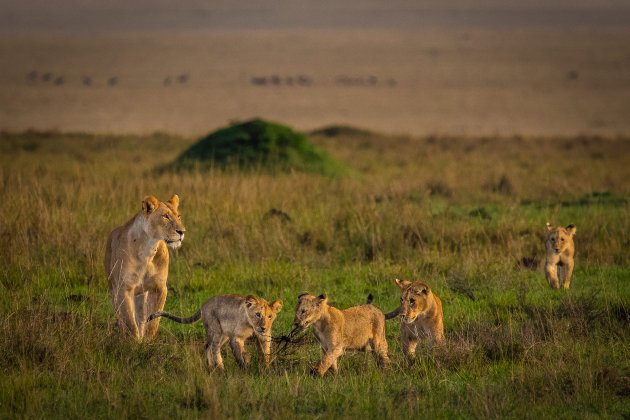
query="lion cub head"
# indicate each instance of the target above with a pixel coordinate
(416, 299)
(163, 221)
(309, 309)
(261, 314)
(559, 239)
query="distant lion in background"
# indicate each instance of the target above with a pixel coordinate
(136, 264)
(560, 250)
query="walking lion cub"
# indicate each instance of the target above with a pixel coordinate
(233, 318)
(356, 328)
(560, 250)
(420, 313)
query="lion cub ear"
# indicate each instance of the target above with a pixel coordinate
(571, 229)
(323, 298)
(250, 300)
(403, 284)
(276, 305)
(549, 227)
(302, 294)
(174, 200)
(149, 204)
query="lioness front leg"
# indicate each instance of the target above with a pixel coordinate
(124, 306)
(328, 361)
(409, 343)
(551, 272)
(264, 346)
(568, 271)
(238, 348)
(155, 302)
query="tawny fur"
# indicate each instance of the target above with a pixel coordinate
(136, 264)
(420, 314)
(356, 328)
(560, 250)
(233, 318)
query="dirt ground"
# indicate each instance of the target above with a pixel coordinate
(527, 81)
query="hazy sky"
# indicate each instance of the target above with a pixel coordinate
(160, 15)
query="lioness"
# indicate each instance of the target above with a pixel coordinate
(234, 318)
(136, 264)
(560, 251)
(356, 328)
(420, 313)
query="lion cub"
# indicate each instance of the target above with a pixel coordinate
(560, 251)
(234, 318)
(420, 313)
(356, 328)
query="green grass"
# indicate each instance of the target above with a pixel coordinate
(426, 208)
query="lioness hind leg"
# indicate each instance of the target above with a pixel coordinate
(380, 352)
(213, 351)
(156, 298)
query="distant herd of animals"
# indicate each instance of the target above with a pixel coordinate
(136, 264)
(35, 77)
(48, 77)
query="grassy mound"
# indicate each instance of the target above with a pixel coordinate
(256, 145)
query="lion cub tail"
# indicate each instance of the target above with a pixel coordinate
(196, 317)
(393, 314)
(369, 299)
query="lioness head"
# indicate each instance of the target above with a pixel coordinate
(560, 238)
(309, 309)
(163, 220)
(261, 314)
(414, 300)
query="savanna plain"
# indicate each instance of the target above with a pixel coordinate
(465, 214)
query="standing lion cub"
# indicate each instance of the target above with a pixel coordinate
(560, 251)
(356, 328)
(233, 318)
(420, 313)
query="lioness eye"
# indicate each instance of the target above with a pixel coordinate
(258, 314)
(269, 316)
(303, 311)
(412, 301)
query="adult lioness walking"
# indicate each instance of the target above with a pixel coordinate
(136, 264)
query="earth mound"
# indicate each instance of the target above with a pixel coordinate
(256, 145)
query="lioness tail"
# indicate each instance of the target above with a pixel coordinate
(189, 320)
(393, 314)
(370, 299)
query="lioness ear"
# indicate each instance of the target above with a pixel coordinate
(276, 305)
(323, 298)
(302, 294)
(425, 290)
(402, 283)
(174, 200)
(571, 229)
(549, 228)
(149, 204)
(250, 300)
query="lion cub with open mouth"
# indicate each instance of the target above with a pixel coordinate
(420, 313)
(356, 328)
(233, 318)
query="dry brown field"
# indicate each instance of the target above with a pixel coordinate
(493, 81)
